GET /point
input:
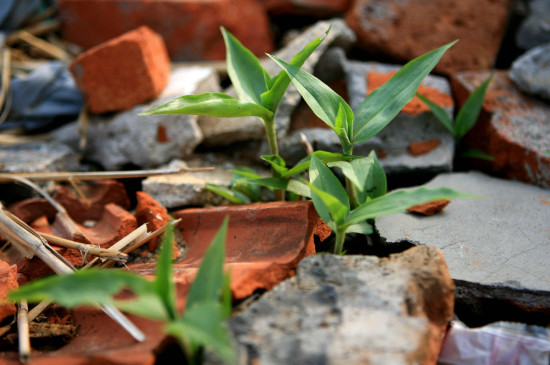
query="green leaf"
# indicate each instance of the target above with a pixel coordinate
(327, 191)
(439, 112)
(233, 196)
(208, 283)
(244, 70)
(92, 287)
(164, 283)
(468, 114)
(376, 182)
(384, 103)
(272, 97)
(211, 104)
(324, 102)
(475, 153)
(293, 186)
(324, 156)
(348, 171)
(277, 162)
(239, 184)
(204, 325)
(361, 228)
(400, 200)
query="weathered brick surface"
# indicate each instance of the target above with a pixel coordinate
(407, 29)
(8, 281)
(306, 7)
(122, 72)
(191, 29)
(512, 127)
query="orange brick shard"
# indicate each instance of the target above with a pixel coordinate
(122, 72)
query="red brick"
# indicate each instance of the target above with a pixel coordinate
(404, 30)
(191, 29)
(423, 147)
(512, 127)
(98, 194)
(149, 211)
(307, 7)
(429, 208)
(8, 282)
(122, 72)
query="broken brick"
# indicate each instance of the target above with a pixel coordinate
(149, 211)
(122, 72)
(399, 29)
(191, 29)
(429, 208)
(421, 148)
(98, 194)
(8, 282)
(512, 127)
(316, 8)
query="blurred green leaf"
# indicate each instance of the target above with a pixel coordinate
(231, 195)
(440, 113)
(293, 186)
(468, 114)
(164, 283)
(475, 153)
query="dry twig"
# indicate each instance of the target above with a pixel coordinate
(23, 332)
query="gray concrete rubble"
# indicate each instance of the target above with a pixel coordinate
(224, 131)
(531, 71)
(38, 157)
(127, 138)
(535, 29)
(496, 246)
(188, 189)
(351, 310)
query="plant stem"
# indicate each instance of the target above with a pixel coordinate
(340, 238)
(271, 134)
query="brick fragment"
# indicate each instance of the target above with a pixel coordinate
(512, 127)
(122, 72)
(191, 28)
(8, 282)
(399, 29)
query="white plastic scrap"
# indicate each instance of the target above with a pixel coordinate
(497, 343)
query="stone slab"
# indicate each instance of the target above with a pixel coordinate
(351, 310)
(500, 241)
(531, 71)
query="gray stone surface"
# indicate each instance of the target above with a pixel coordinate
(350, 310)
(37, 157)
(223, 131)
(535, 29)
(128, 138)
(531, 71)
(173, 191)
(496, 246)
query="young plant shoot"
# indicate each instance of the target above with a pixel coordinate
(465, 119)
(208, 301)
(375, 112)
(259, 94)
(332, 202)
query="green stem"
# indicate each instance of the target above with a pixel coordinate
(340, 238)
(352, 194)
(271, 134)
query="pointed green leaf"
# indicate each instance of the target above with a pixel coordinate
(439, 112)
(204, 326)
(208, 284)
(243, 171)
(277, 162)
(384, 103)
(146, 305)
(324, 102)
(233, 196)
(211, 104)
(475, 153)
(244, 69)
(273, 96)
(93, 287)
(324, 156)
(164, 283)
(239, 184)
(348, 171)
(328, 194)
(361, 228)
(398, 201)
(468, 114)
(376, 182)
(293, 186)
